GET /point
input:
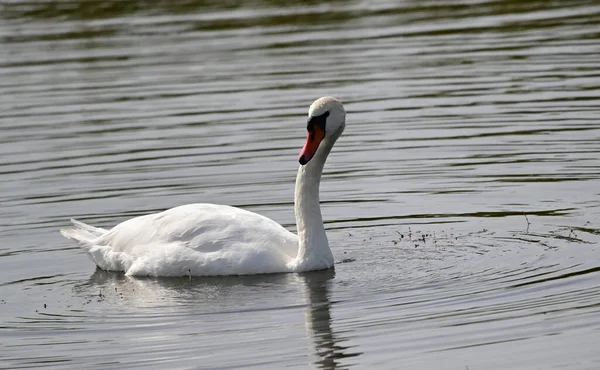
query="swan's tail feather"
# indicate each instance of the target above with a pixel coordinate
(89, 239)
(83, 233)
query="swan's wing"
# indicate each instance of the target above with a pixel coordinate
(202, 227)
(207, 239)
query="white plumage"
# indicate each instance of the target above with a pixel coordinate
(201, 239)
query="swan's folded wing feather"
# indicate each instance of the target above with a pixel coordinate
(206, 228)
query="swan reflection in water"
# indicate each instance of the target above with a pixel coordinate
(205, 298)
(327, 344)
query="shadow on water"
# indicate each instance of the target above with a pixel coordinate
(242, 294)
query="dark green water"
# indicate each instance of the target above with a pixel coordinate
(462, 203)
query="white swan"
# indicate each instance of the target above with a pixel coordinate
(209, 239)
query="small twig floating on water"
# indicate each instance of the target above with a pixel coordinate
(528, 223)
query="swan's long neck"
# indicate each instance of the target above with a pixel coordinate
(313, 252)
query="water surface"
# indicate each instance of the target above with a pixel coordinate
(462, 203)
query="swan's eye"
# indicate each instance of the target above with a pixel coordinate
(319, 121)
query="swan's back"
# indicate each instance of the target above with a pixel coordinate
(201, 239)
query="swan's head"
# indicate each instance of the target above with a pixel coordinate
(326, 119)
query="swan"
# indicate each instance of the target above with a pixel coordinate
(211, 240)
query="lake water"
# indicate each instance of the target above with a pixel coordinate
(462, 202)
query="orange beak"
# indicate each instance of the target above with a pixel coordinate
(315, 136)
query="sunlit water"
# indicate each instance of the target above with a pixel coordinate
(462, 203)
